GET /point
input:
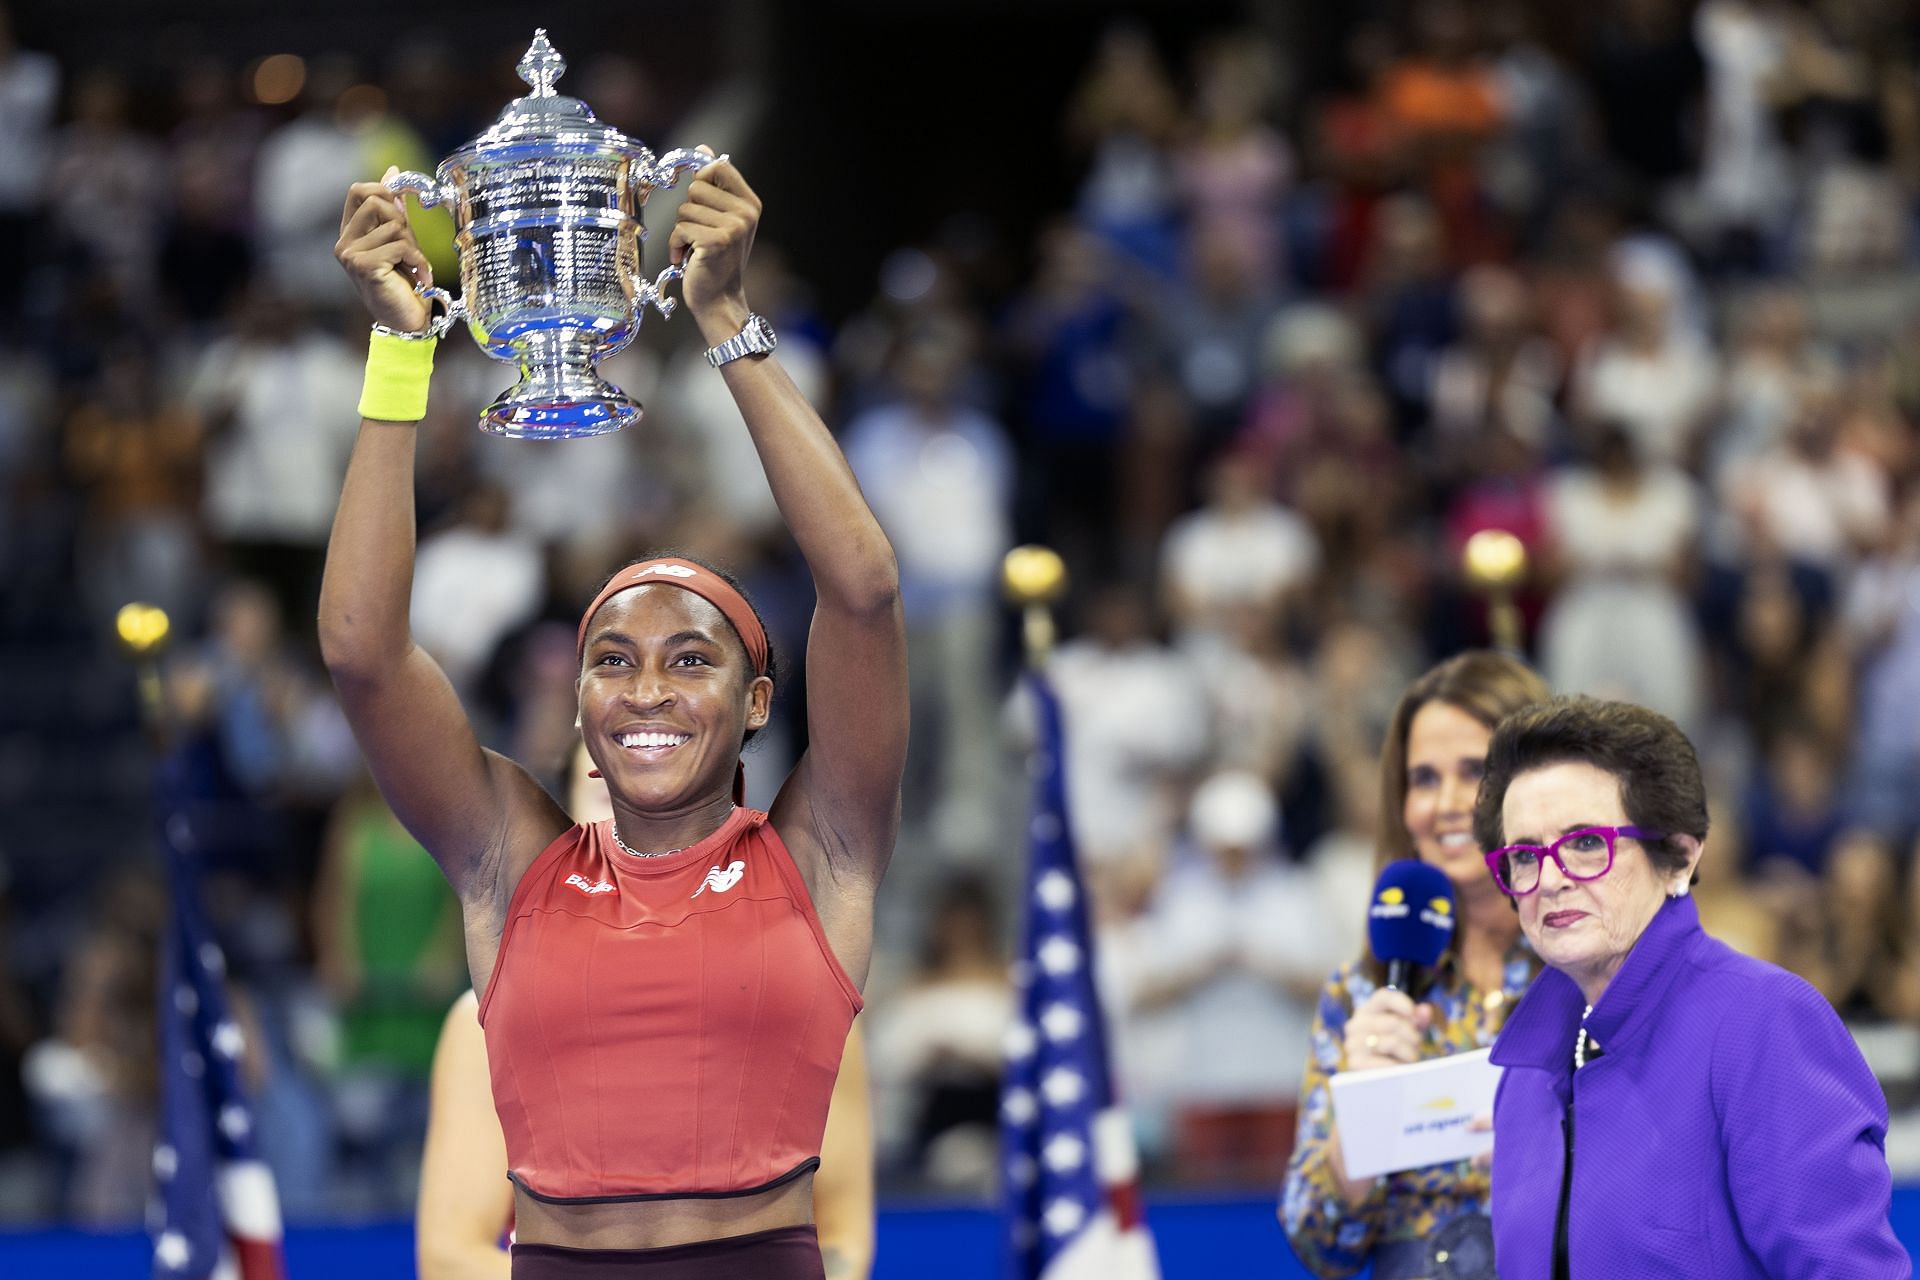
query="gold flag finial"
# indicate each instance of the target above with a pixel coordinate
(143, 631)
(142, 628)
(1034, 578)
(1495, 564)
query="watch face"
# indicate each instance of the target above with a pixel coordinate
(762, 336)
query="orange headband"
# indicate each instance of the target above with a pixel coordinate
(705, 583)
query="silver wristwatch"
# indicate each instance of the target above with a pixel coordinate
(756, 339)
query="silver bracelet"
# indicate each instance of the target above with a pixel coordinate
(442, 311)
(408, 335)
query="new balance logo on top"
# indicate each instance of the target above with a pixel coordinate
(671, 570)
(590, 887)
(720, 881)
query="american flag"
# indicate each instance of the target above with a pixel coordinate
(1070, 1173)
(215, 1212)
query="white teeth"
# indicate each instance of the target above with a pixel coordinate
(1457, 837)
(641, 740)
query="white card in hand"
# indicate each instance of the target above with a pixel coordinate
(1396, 1118)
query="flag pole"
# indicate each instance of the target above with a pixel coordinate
(1070, 1174)
(216, 1211)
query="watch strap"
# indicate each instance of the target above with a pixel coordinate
(754, 338)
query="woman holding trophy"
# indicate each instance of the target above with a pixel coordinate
(665, 995)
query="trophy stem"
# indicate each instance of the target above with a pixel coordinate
(560, 395)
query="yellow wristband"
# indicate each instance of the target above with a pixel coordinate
(398, 371)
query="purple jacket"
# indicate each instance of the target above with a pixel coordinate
(1730, 1129)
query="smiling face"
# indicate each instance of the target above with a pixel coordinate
(1446, 754)
(1585, 928)
(666, 695)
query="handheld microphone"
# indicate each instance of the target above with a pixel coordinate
(1410, 922)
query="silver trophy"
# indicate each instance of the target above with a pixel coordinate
(546, 208)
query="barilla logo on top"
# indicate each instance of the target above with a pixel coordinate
(1439, 913)
(1391, 904)
(671, 570)
(590, 887)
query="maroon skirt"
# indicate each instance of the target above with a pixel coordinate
(787, 1253)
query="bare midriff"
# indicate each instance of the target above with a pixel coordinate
(656, 1224)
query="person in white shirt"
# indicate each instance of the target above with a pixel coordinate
(278, 397)
(473, 582)
(940, 476)
(1136, 717)
(1239, 954)
(1811, 499)
(1241, 549)
(1624, 534)
(1653, 372)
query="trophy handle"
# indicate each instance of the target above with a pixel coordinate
(429, 190)
(455, 309)
(654, 293)
(666, 171)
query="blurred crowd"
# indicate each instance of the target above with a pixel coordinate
(1633, 285)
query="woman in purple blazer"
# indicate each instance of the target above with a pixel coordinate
(1670, 1107)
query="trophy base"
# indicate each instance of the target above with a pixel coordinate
(539, 418)
(560, 395)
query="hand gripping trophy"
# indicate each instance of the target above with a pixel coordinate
(546, 207)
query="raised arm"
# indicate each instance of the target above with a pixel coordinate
(468, 806)
(845, 792)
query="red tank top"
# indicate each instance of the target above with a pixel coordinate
(664, 1027)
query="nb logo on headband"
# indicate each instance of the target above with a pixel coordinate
(671, 570)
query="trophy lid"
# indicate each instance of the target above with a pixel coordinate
(544, 116)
